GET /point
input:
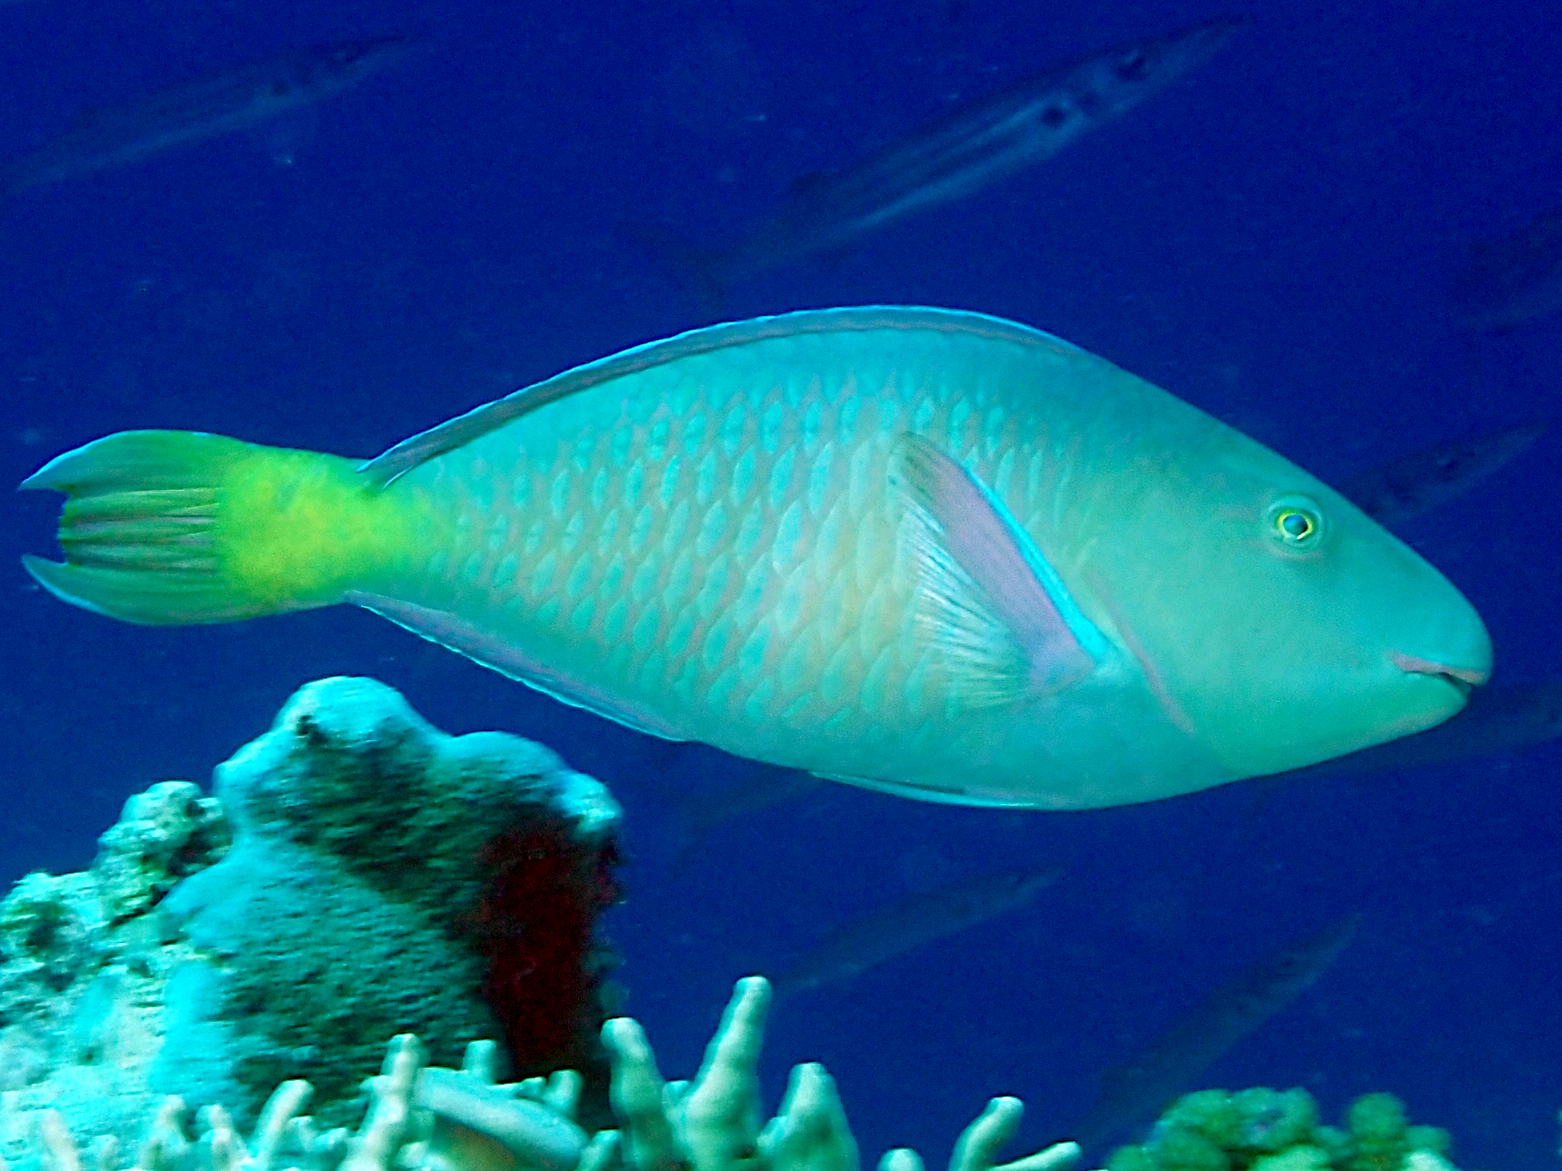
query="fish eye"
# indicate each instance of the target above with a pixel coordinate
(1133, 66)
(1297, 523)
(1294, 525)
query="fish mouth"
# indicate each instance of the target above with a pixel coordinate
(1462, 679)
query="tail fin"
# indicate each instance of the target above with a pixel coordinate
(698, 268)
(165, 527)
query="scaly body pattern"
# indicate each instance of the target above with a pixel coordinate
(926, 551)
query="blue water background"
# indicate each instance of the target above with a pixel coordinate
(1273, 240)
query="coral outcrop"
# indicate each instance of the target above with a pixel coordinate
(356, 873)
(83, 969)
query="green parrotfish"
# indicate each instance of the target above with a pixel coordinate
(924, 551)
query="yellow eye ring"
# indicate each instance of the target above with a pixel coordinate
(1297, 523)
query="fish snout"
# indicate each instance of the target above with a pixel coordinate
(1472, 672)
(1443, 638)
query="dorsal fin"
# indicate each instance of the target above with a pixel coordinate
(463, 429)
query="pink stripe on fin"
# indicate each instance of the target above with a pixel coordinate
(463, 637)
(1005, 635)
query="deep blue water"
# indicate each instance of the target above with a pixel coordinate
(1273, 240)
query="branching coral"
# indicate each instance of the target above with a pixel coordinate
(419, 1118)
(281, 1128)
(712, 1123)
(432, 1119)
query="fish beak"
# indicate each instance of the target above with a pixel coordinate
(1462, 678)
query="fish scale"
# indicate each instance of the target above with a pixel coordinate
(791, 656)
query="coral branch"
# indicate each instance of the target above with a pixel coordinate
(712, 1125)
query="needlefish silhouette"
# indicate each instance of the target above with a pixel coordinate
(1510, 282)
(1414, 484)
(970, 147)
(909, 923)
(1170, 1065)
(925, 551)
(203, 108)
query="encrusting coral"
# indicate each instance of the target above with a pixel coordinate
(417, 1116)
(355, 874)
(385, 878)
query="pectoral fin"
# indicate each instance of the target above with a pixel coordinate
(1000, 613)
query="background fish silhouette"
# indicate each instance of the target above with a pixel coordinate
(194, 111)
(979, 143)
(1508, 282)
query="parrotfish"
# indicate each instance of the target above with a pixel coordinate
(924, 551)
